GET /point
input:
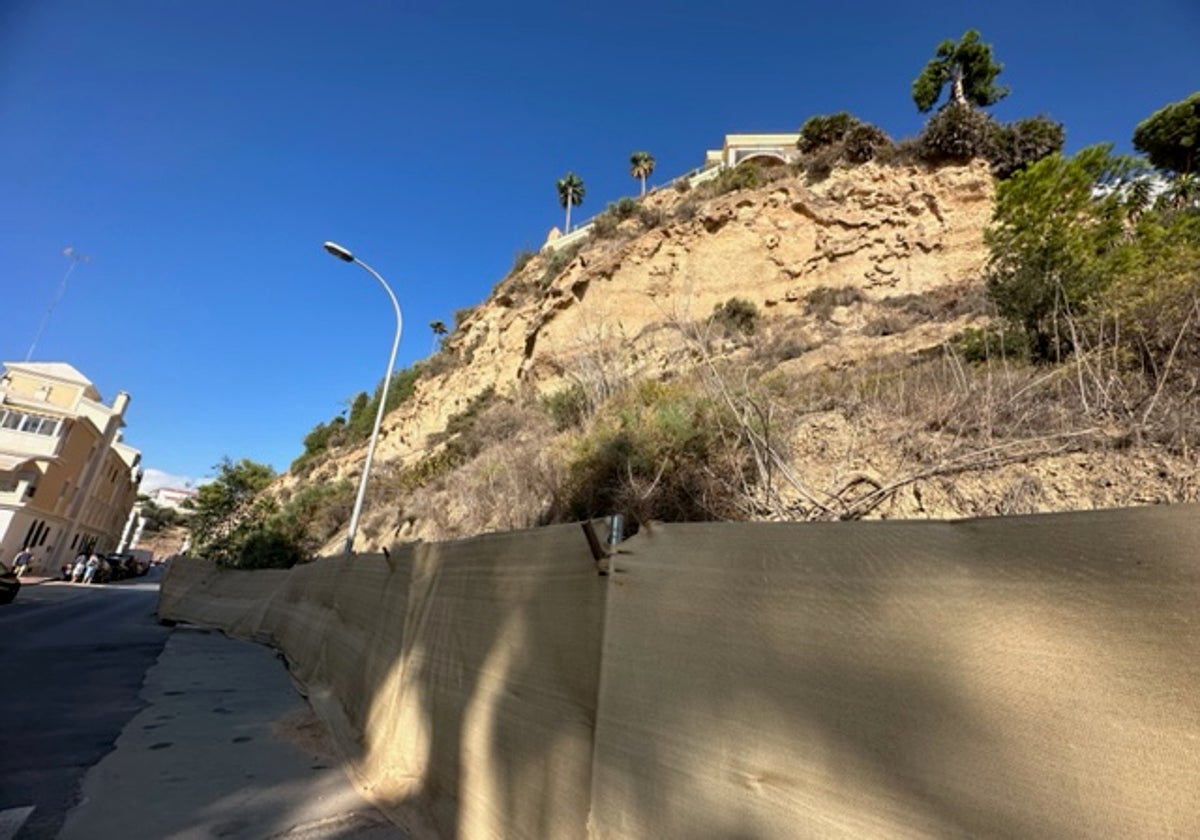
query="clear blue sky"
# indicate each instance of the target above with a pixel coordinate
(200, 152)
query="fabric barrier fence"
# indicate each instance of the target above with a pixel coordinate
(1029, 676)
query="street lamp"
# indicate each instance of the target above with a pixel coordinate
(342, 254)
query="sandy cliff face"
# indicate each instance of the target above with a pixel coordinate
(886, 231)
(873, 262)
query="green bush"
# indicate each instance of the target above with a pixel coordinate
(396, 483)
(864, 141)
(626, 208)
(981, 345)
(818, 165)
(1060, 236)
(314, 513)
(826, 140)
(267, 549)
(735, 315)
(464, 434)
(903, 152)
(746, 176)
(363, 410)
(957, 133)
(604, 226)
(1170, 137)
(661, 455)
(155, 518)
(825, 130)
(568, 407)
(556, 262)
(1019, 144)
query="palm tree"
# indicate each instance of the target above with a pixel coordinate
(1184, 190)
(570, 193)
(641, 165)
(439, 330)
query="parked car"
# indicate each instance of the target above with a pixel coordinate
(10, 584)
(121, 565)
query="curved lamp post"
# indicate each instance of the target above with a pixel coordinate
(342, 254)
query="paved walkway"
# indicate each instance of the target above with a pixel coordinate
(226, 748)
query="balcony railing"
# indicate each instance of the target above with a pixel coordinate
(28, 443)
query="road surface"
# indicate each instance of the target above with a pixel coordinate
(115, 726)
(73, 660)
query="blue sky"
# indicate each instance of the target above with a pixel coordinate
(201, 152)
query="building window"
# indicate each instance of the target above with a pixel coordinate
(34, 424)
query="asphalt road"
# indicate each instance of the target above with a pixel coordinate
(114, 726)
(73, 659)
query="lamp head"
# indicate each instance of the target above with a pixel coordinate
(339, 252)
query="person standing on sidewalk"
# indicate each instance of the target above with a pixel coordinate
(21, 562)
(89, 571)
(80, 568)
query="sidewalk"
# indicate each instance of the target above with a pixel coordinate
(226, 748)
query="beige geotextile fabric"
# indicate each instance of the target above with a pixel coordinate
(459, 679)
(1019, 677)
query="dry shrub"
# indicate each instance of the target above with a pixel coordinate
(944, 303)
(890, 324)
(507, 481)
(687, 209)
(821, 302)
(957, 133)
(781, 341)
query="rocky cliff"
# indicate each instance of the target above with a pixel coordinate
(873, 263)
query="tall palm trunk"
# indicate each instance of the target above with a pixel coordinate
(643, 177)
(568, 230)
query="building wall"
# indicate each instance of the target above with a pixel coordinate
(171, 497)
(83, 480)
(57, 393)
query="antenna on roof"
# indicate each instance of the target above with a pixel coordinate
(76, 258)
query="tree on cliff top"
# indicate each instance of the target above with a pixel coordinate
(1170, 136)
(969, 69)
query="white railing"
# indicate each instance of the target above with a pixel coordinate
(580, 233)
